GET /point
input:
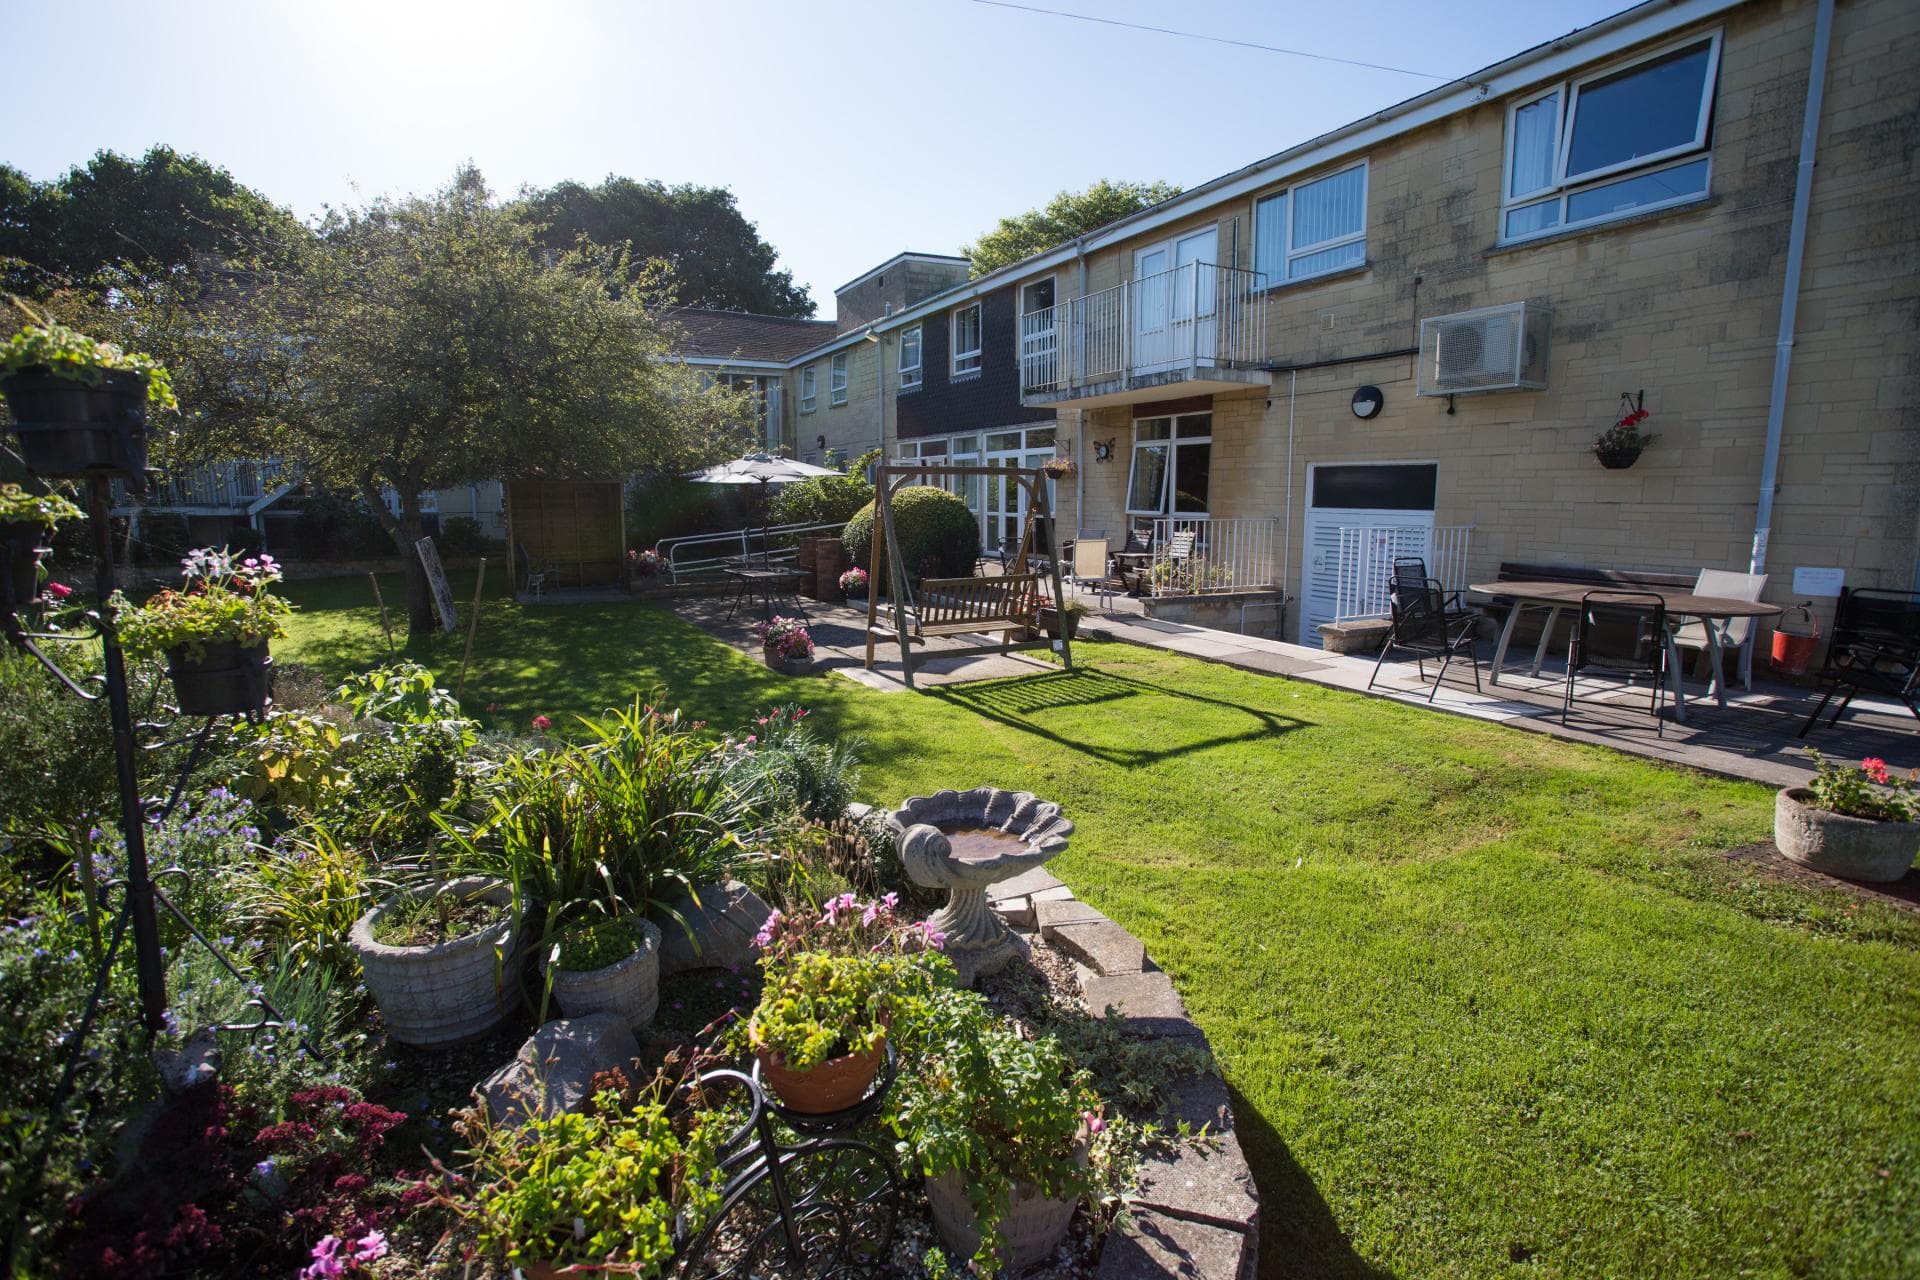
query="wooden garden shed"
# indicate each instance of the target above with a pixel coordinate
(575, 531)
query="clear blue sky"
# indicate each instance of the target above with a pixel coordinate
(848, 129)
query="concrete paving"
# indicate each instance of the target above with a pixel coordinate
(1753, 736)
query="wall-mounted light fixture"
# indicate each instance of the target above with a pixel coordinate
(1367, 402)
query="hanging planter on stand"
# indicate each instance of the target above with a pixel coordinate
(214, 632)
(80, 406)
(27, 521)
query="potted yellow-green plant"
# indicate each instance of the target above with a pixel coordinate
(214, 631)
(27, 520)
(80, 405)
(607, 965)
(1856, 823)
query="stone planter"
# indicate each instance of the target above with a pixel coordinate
(448, 991)
(629, 988)
(1033, 1224)
(1851, 848)
(1049, 620)
(786, 666)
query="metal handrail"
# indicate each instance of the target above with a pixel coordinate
(731, 546)
(1214, 555)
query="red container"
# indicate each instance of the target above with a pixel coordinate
(1793, 651)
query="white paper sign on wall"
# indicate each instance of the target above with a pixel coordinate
(1818, 582)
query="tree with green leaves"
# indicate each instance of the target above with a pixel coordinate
(1067, 215)
(143, 217)
(717, 256)
(422, 344)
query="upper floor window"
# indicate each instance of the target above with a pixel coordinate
(809, 388)
(837, 380)
(966, 339)
(1618, 142)
(910, 358)
(1313, 228)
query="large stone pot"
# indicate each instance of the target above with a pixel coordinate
(1033, 1224)
(1839, 845)
(448, 991)
(628, 988)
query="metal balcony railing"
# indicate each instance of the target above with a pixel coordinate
(1367, 553)
(1201, 555)
(1200, 316)
(217, 486)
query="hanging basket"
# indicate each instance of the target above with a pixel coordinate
(1618, 457)
(69, 428)
(22, 541)
(225, 680)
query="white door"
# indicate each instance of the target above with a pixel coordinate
(1174, 299)
(1386, 509)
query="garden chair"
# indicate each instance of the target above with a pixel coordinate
(1131, 560)
(532, 581)
(1691, 633)
(1410, 574)
(1624, 634)
(1876, 647)
(1090, 565)
(1421, 628)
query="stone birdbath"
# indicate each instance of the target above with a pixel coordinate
(964, 841)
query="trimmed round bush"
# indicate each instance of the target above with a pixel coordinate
(939, 537)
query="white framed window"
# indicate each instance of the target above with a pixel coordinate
(1617, 142)
(809, 388)
(910, 358)
(966, 340)
(1172, 468)
(1312, 227)
(837, 380)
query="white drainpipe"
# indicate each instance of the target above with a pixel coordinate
(1790, 288)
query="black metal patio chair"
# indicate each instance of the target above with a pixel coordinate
(1875, 647)
(1410, 574)
(1620, 633)
(1421, 627)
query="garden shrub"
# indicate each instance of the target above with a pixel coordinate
(793, 772)
(826, 499)
(939, 537)
(338, 526)
(672, 506)
(463, 536)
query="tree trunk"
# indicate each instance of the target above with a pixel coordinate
(406, 530)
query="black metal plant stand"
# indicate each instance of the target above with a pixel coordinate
(821, 1205)
(141, 899)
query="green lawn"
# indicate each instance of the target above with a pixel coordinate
(1490, 1003)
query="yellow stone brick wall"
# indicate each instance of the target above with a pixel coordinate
(1683, 305)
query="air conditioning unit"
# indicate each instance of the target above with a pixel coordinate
(1501, 348)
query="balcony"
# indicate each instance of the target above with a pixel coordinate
(219, 488)
(1195, 329)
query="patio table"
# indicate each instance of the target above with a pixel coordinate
(1558, 597)
(764, 582)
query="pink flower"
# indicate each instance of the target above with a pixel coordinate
(59, 590)
(327, 1262)
(493, 708)
(752, 738)
(1093, 1122)
(542, 723)
(370, 1246)
(1875, 768)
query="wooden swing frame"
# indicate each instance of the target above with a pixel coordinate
(1008, 604)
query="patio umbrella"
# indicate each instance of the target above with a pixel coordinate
(764, 470)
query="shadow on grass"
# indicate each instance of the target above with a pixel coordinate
(1299, 1238)
(1132, 736)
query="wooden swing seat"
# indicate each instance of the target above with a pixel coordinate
(960, 606)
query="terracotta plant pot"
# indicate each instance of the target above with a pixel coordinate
(1839, 845)
(629, 987)
(69, 428)
(834, 1085)
(443, 992)
(225, 680)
